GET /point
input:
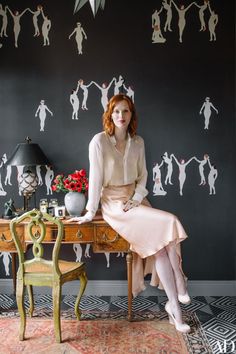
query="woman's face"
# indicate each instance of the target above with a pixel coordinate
(121, 115)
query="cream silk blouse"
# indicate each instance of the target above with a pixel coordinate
(109, 167)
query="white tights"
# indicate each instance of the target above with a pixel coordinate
(168, 269)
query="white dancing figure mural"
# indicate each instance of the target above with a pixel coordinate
(20, 170)
(3, 13)
(6, 258)
(168, 162)
(213, 20)
(84, 88)
(16, 19)
(74, 100)
(42, 113)
(46, 26)
(78, 249)
(156, 173)
(48, 179)
(36, 14)
(213, 174)
(16, 16)
(207, 111)
(167, 7)
(129, 92)
(80, 35)
(202, 164)
(104, 91)
(118, 85)
(157, 36)
(8, 171)
(182, 21)
(38, 172)
(81, 93)
(182, 171)
(203, 10)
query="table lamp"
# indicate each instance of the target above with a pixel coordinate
(28, 155)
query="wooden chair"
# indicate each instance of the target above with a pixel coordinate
(41, 272)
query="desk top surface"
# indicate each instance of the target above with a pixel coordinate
(98, 219)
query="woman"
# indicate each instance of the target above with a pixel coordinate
(118, 176)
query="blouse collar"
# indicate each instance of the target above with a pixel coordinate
(112, 139)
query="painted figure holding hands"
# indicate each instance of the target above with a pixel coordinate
(182, 171)
(213, 174)
(17, 27)
(182, 21)
(202, 163)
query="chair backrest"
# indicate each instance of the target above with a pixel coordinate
(34, 226)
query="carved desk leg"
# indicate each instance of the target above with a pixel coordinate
(129, 260)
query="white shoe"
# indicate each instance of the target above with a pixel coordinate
(184, 299)
(181, 327)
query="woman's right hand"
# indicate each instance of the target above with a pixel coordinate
(82, 219)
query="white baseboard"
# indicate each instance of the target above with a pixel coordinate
(119, 288)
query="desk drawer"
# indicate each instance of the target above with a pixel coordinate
(108, 240)
(36, 231)
(7, 244)
(78, 234)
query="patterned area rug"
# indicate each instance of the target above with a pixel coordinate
(103, 333)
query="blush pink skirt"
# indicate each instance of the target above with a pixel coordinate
(147, 229)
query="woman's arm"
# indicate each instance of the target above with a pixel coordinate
(141, 181)
(95, 176)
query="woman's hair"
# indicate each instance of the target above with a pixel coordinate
(108, 123)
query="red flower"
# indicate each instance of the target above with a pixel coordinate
(82, 173)
(75, 182)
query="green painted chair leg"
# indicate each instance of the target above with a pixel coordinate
(31, 300)
(83, 282)
(21, 308)
(56, 294)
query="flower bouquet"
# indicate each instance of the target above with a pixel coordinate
(74, 182)
(75, 185)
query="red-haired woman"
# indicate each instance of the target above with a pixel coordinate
(118, 178)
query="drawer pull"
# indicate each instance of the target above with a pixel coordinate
(3, 238)
(79, 234)
(37, 234)
(106, 239)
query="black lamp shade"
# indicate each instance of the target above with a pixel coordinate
(28, 154)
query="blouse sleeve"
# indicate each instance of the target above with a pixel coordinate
(141, 181)
(95, 176)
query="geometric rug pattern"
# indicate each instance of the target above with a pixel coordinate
(212, 318)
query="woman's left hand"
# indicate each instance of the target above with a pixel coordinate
(131, 204)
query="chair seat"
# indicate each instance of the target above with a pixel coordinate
(64, 267)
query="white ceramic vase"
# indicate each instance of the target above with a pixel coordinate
(74, 203)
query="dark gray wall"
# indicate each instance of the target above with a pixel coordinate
(170, 80)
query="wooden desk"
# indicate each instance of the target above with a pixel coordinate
(97, 232)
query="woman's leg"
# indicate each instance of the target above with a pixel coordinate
(175, 264)
(166, 275)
